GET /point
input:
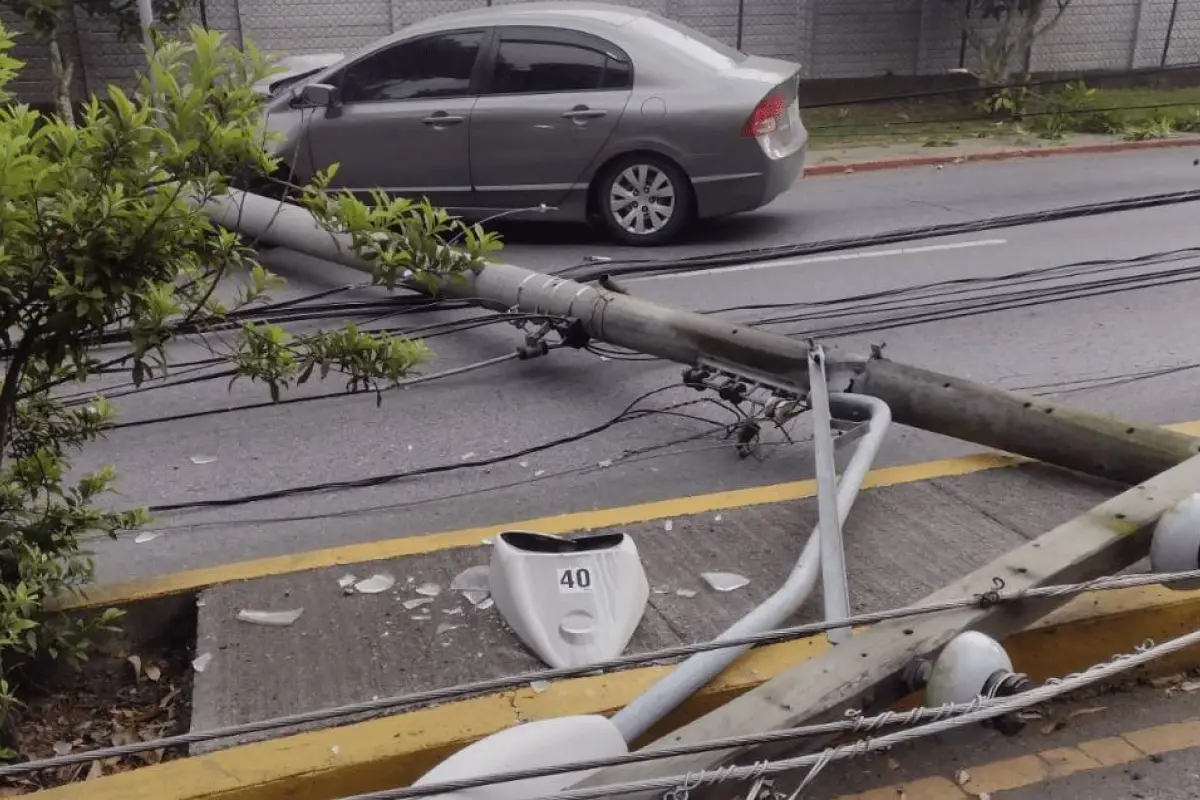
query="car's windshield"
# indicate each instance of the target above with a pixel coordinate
(689, 42)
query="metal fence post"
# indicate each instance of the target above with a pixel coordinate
(741, 21)
(1170, 32)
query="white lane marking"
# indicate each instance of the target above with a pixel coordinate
(796, 262)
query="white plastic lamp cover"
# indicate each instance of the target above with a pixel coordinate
(534, 745)
(573, 602)
(1176, 543)
(963, 667)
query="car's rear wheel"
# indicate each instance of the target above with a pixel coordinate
(644, 200)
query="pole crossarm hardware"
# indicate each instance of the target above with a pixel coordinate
(1060, 435)
(869, 672)
(640, 325)
(866, 671)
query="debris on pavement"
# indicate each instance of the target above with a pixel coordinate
(376, 584)
(725, 581)
(429, 590)
(201, 662)
(472, 583)
(278, 619)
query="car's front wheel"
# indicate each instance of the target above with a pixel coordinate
(644, 200)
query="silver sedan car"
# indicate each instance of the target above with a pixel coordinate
(573, 111)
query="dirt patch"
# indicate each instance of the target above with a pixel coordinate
(122, 696)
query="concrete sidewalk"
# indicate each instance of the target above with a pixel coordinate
(836, 159)
(903, 542)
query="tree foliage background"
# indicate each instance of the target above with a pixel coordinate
(1000, 32)
(45, 20)
(101, 234)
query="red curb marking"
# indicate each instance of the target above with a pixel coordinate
(995, 155)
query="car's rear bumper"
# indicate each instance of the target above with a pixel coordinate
(719, 195)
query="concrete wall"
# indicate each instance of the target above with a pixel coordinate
(831, 38)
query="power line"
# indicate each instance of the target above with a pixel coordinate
(591, 272)
(998, 596)
(379, 480)
(640, 455)
(989, 709)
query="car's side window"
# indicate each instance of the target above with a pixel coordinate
(433, 66)
(538, 65)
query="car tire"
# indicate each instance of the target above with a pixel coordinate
(632, 194)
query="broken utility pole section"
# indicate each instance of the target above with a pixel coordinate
(867, 671)
(1055, 434)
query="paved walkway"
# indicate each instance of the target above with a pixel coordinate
(903, 542)
(824, 158)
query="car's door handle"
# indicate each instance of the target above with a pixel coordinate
(584, 113)
(442, 119)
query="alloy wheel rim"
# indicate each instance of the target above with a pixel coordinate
(642, 199)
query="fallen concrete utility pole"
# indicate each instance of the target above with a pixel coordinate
(865, 671)
(1055, 434)
(868, 672)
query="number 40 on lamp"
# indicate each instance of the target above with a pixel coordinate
(574, 579)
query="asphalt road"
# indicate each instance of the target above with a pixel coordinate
(1072, 344)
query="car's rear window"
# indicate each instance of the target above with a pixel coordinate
(689, 41)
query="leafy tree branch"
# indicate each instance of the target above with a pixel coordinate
(101, 236)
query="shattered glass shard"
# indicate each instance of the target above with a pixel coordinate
(725, 581)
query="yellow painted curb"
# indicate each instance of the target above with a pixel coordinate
(390, 752)
(1046, 765)
(193, 580)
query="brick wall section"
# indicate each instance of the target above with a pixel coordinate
(830, 38)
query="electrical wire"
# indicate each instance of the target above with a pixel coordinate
(592, 272)
(990, 709)
(998, 596)
(424, 332)
(640, 455)
(1029, 299)
(379, 480)
(403, 384)
(854, 724)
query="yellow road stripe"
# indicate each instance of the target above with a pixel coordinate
(394, 751)
(191, 580)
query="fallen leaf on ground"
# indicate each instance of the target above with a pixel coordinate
(153, 673)
(1083, 712)
(962, 777)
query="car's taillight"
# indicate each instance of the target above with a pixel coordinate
(766, 115)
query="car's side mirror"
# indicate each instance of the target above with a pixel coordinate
(321, 95)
